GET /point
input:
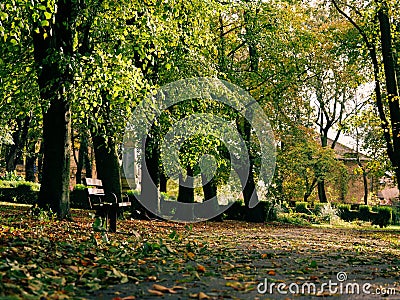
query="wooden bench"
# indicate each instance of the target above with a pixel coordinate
(106, 205)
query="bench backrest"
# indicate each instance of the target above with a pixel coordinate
(93, 182)
(95, 187)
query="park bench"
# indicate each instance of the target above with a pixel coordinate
(106, 205)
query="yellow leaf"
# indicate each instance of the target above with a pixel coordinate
(191, 255)
(154, 292)
(203, 296)
(160, 288)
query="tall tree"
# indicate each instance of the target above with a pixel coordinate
(53, 51)
(386, 95)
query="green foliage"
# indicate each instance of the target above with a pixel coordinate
(383, 216)
(19, 191)
(364, 213)
(396, 215)
(78, 197)
(41, 214)
(345, 213)
(235, 211)
(11, 176)
(302, 207)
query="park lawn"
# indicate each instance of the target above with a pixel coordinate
(41, 257)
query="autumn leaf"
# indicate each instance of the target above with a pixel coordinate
(155, 292)
(201, 268)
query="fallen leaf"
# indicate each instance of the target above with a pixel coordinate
(161, 288)
(154, 292)
(201, 268)
(271, 272)
(202, 296)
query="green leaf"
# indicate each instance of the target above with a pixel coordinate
(47, 15)
(44, 23)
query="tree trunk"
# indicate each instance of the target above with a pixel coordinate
(30, 161)
(54, 191)
(163, 182)
(391, 86)
(15, 151)
(82, 159)
(209, 188)
(40, 163)
(30, 168)
(150, 175)
(321, 184)
(53, 80)
(253, 213)
(365, 180)
(107, 164)
(321, 192)
(186, 191)
(306, 196)
(210, 191)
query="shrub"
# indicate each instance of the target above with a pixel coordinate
(11, 176)
(235, 211)
(364, 213)
(78, 197)
(24, 192)
(345, 213)
(396, 215)
(302, 207)
(383, 216)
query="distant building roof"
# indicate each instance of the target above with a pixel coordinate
(344, 152)
(388, 193)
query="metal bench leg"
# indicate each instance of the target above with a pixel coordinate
(113, 219)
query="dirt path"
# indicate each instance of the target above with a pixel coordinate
(244, 255)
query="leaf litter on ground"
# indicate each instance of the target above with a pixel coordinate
(209, 260)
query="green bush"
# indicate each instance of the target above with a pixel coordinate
(396, 215)
(11, 176)
(8, 184)
(345, 213)
(383, 216)
(78, 197)
(364, 213)
(24, 192)
(302, 207)
(235, 211)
